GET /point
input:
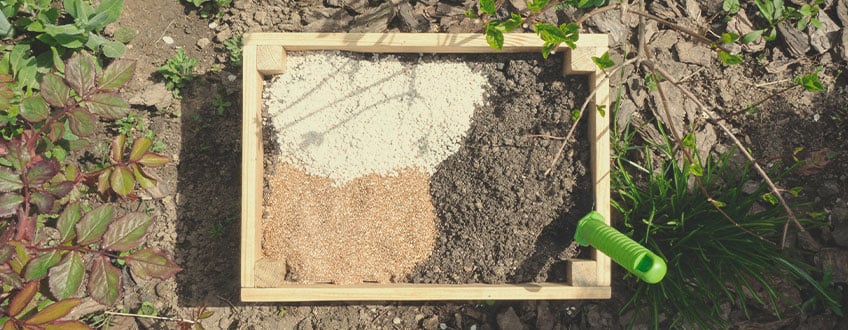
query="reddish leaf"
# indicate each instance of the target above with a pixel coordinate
(145, 180)
(103, 181)
(66, 325)
(815, 162)
(81, 122)
(59, 189)
(153, 160)
(37, 267)
(42, 171)
(139, 147)
(10, 278)
(80, 72)
(152, 262)
(67, 220)
(67, 277)
(116, 74)
(104, 283)
(42, 201)
(34, 109)
(53, 311)
(126, 232)
(122, 180)
(117, 151)
(9, 203)
(108, 105)
(6, 253)
(22, 299)
(9, 181)
(9, 325)
(57, 131)
(92, 226)
(55, 91)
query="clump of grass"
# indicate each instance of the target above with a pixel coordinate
(711, 260)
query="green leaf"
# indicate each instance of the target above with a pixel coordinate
(107, 12)
(125, 34)
(6, 29)
(103, 181)
(511, 24)
(153, 160)
(695, 169)
(80, 73)
(144, 179)
(127, 232)
(769, 197)
(37, 267)
(487, 6)
(752, 36)
(43, 201)
(114, 49)
(78, 9)
(22, 299)
(9, 203)
(9, 181)
(494, 38)
(122, 181)
(55, 91)
(575, 114)
(602, 110)
(95, 41)
(796, 191)
(548, 48)
(604, 62)
(42, 171)
(152, 262)
(537, 5)
(68, 36)
(108, 105)
(689, 141)
(729, 59)
(67, 277)
(67, 221)
(81, 122)
(92, 226)
(730, 6)
(549, 33)
(104, 283)
(53, 311)
(116, 74)
(34, 109)
(718, 203)
(139, 148)
(729, 37)
(59, 189)
(810, 82)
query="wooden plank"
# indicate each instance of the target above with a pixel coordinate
(425, 292)
(412, 42)
(270, 59)
(582, 273)
(600, 137)
(251, 166)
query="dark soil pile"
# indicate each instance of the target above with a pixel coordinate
(501, 218)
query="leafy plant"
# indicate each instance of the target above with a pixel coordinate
(178, 71)
(221, 105)
(233, 46)
(208, 7)
(55, 249)
(711, 259)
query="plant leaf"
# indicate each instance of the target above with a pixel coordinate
(9, 181)
(494, 38)
(152, 262)
(510, 24)
(9, 203)
(53, 311)
(66, 325)
(752, 36)
(34, 109)
(116, 74)
(108, 105)
(107, 12)
(42, 171)
(117, 152)
(81, 122)
(604, 62)
(153, 160)
(80, 72)
(729, 59)
(42, 201)
(113, 49)
(730, 6)
(92, 226)
(146, 181)
(38, 266)
(122, 180)
(68, 220)
(103, 181)
(139, 148)
(487, 6)
(22, 299)
(59, 189)
(104, 283)
(56, 132)
(10, 278)
(54, 90)
(67, 277)
(127, 232)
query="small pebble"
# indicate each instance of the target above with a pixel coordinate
(213, 25)
(443, 326)
(168, 40)
(231, 77)
(396, 320)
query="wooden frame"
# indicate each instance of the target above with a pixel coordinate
(265, 54)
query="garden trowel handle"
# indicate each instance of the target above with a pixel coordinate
(591, 230)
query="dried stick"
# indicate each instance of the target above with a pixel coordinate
(777, 192)
(161, 318)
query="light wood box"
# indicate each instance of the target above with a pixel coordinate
(265, 55)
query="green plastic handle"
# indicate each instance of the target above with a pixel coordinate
(591, 230)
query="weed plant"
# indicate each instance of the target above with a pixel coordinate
(711, 260)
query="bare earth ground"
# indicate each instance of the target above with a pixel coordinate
(199, 208)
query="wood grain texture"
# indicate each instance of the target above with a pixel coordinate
(264, 54)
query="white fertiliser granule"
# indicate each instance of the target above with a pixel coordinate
(343, 117)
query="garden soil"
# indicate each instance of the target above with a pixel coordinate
(197, 207)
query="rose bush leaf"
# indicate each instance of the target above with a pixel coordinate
(67, 220)
(127, 232)
(104, 283)
(151, 263)
(92, 226)
(116, 74)
(53, 311)
(38, 266)
(66, 278)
